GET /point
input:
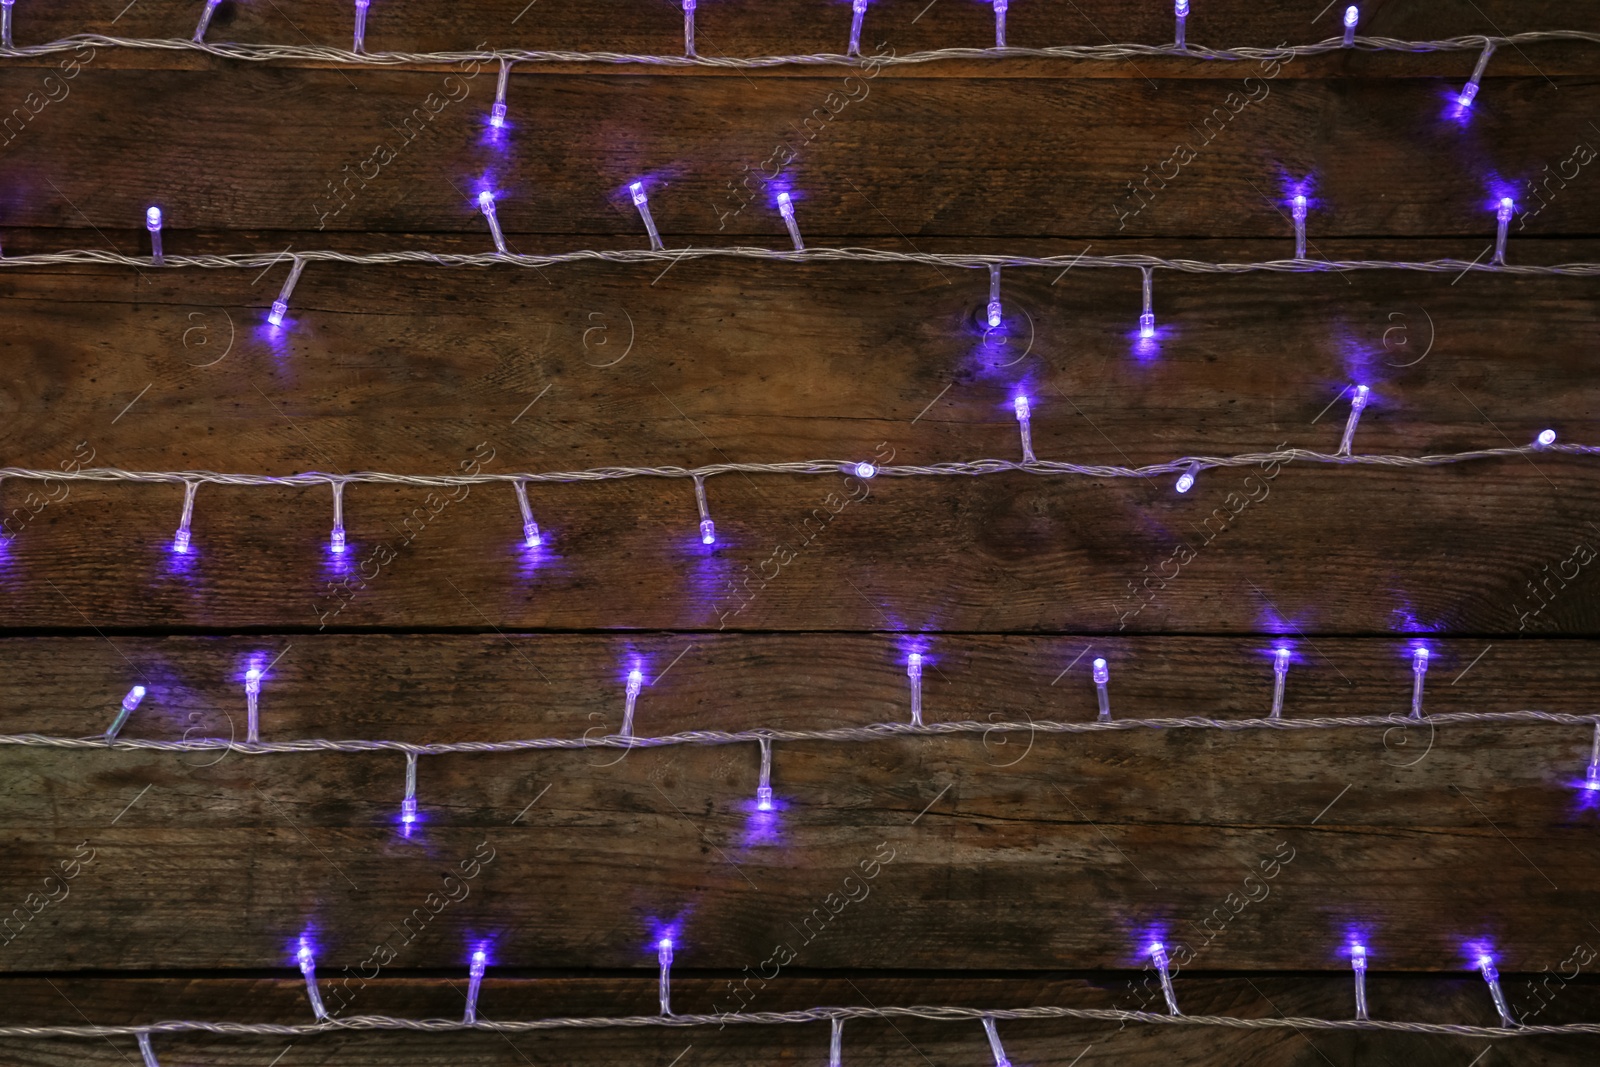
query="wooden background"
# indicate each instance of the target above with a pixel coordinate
(1025, 870)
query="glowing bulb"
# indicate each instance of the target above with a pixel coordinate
(308, 967)
(336, 541)
(994, 313)
(1592, 779)
(1025, 427)
(180, 542)
(1419, 670)
(1503, 213)
(531, 535)
(862, 470)
(1299, 207)
(1545, 439)
(764, 798)
(497, 117)
(914, 672)
(1000, 23)
(1351, 15)
(914, 665)
(279, 310)
(1492, 978)
(152, 218)
(252, 681)
(361, 25)
(635, 681)
(1358, 963)
(1359, 401)
(786, 209)
(665, 945)
(664, 956)
(1469, 93)
(1147, 324)
(1181, 8)
(486, 205)
(1280, 676)
(1020, 405)
(1158, 956)
(785, 206)
(1358, 404)
(642, 202)
(129, 703)
(1102, 675)
(1186, 479)
(708, 532)
(858, 11)
(308, 962)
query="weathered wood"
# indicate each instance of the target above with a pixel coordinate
(412, 371)
(407, 151)
(1423, 837)
(1458, 999)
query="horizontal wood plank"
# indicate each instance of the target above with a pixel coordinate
(1422, 837)
(416, 371)
(409, 150)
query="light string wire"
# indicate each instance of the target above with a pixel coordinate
(881, 731)
(361, 57)
(367, 1023)
(972, 468)
(810, 255)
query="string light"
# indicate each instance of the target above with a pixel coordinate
(486, 205)
(858, 11)
(836, 1039)
(641, 201)
(1545, 439)
(1147, 318)
(1352, 15)
(336, 539)
(152, 222)
(1492, 978)
(861, 470)
(1358, 964)
(480, 962)
(664, 956)
(180, 539)
(994, 1043)
(1186, 479)
(530, 529)
(708, 529)
(497, 115)
(5, 22)
(308, 967)
(1180, 10)
(146, 1053)
(635, 683)
(361, 25)
(1419, 670)
(1469, 92)
(1025, 427)
(1591, 780)
(1298, 210)
(408, 806)
(1282, 53)
(1280, 675)
(786, 209)
(994, 295)
(764, 789)
(1158, 956)
(1358, 404)
(199, 31)
(280, 306)
(1000, 23)
(252, 701)
(688, 30)
(129, 704)
(1102, 676)
(1502, 216)
(914, 672)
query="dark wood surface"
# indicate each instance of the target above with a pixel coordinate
(1026, 869)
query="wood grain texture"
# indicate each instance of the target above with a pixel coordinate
(995, 851)
(1047, 1043)
(888, 156)
(419, 371)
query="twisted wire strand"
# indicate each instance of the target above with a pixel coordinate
(968, 260)
(345, 57)
(367, 1023)
(881, 731)
(971, 468)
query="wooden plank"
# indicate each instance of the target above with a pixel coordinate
(1455, 999)
(748, 27)
(1007, 157)
(1423, 838)
(174, 373)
